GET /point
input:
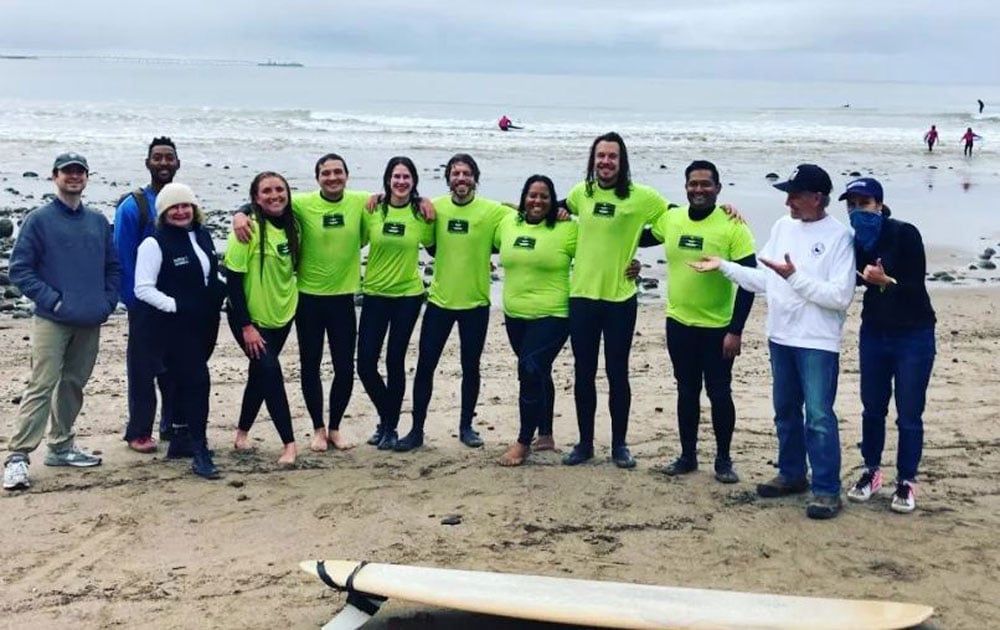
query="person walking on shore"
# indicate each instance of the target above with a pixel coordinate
(179, 294)
(135, 220)
(809, 282)
(896, 344)
(705, 314)
(393, 292)
(261, 283)
(611, 212)
(931, 137)
(64, 259)
(969, 138)
(460, 293)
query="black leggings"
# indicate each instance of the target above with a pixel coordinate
(537, 343)
(266, 383)
(332, 316)
(397, 316)
(437, 324)
(186, 357)
(588, 321)
(696, 354)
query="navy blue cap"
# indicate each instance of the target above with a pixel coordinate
(807, 178)
(864, 186)
(70, 159)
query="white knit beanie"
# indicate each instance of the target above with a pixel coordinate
(173, 194)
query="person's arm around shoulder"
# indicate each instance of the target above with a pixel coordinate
(243, 226)
(147, 271)
(29, 249)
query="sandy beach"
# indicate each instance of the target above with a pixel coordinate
(140, 542)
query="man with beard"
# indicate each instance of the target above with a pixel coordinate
(704, 321)
(135, 219)
(460, 292)
(612, 211)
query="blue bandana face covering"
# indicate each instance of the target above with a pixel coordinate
(867, 227)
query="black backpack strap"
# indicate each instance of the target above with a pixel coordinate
(139, 195)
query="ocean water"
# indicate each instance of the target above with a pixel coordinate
(230, 121)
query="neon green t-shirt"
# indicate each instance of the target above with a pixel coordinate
(271, 298)
(536, 260)
(609, 235)
(701, 299)
(332, 234)
(464, 241)
(393, 251)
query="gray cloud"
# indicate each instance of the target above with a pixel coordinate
(798, 39)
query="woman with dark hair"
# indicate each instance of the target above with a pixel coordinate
(393, 292)
(179, 293)
(262, 302)
(535, 252)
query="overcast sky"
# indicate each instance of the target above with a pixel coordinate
(954, 41)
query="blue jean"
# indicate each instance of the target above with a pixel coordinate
(906, 359)
(803, 377)
(537, 343)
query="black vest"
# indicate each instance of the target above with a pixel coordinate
(181, 276)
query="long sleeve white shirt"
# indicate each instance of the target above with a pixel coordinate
(808, 309)
(147, 270)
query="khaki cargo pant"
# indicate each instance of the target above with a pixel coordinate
(62, 359)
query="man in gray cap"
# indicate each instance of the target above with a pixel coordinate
(65, 261)
(808, 276)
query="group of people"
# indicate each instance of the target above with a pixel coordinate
(569, 275)
(968, 139)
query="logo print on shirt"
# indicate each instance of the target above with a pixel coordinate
(333, 220)
(284, 249)
(604, 209)
(524, 242)
(181, 260)
(394, 229)
(458, 226)
(687, 241)
(818, 249)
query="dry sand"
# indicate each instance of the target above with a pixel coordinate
(140, 542)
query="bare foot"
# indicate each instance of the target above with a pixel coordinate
(318, 443)
(515, 455)
(339, 441)
(544, 443)
(288, 454)
(242, 441)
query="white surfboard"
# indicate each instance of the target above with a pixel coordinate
(599, 604)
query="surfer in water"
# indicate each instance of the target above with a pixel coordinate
(969, 138)
(981, 105)
(931, 137)
(506, 123)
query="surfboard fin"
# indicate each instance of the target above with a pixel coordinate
(349, 618)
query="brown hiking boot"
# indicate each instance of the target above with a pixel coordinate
(781, 487)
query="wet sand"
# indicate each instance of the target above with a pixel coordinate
(140, 542)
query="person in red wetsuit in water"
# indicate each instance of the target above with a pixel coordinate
(506, 123)
(969, 138)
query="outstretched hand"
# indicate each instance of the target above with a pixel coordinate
(783, 269)
(707, 263)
